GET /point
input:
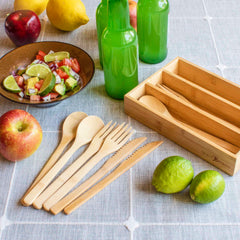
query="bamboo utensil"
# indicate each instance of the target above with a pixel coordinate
(198, 118)
(122, 168)
(110, 164)
(169, 90)
(60, 180)
(159, 106)
(86, 130)
(212, 95)
(176, 94)
(114, 141)
(68, 134)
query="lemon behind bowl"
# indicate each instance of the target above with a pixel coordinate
(67, 15)
(172, 175)
(37, 6)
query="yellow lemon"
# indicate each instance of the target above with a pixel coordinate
(37, 6)
(67, 15)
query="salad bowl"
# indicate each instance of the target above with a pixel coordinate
(24, 55)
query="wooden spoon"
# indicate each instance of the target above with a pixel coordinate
(69, 129)
(94, 146)
(157, 105)
(86, 130)
(114, 141)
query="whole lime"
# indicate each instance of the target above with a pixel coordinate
(172, 175)
(207, 186)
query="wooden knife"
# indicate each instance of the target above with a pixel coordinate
(109, 165)
(122, 168)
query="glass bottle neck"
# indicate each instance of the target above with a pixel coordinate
(118, 14)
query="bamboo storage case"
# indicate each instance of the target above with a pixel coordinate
(198, 99)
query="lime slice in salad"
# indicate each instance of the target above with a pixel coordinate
(56, 56)
(48, 84)
(38, 70)
(11, 85)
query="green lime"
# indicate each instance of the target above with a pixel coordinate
(172, 175)
(38, 70)
(56, 56)
(11, 85)
(207, 186)
(48, 85)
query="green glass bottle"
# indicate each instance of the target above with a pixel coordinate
(119, 51)
(101, 22)
(152, 27)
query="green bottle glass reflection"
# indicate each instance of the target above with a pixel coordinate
(152, 27)
(101, 22)
(119, 51)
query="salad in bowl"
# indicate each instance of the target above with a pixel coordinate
(49, 76)
(39, 73)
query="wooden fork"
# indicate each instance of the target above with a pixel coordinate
(115, 140)
(91, 150)
(110, 164)
(86, 131)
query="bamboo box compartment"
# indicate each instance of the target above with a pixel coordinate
(205, 111)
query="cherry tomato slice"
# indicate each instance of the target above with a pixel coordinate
(41, 53)
(62, 74)
(75, 65)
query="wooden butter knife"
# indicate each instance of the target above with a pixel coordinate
(109, 165)
(122, 168)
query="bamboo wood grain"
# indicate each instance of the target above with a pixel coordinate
(230, 147)
(208, 80)
(110, 164)
(237, 165)
(197, 117)
(171, 91)
(114, 141)
(202, 147)
(122, 168)
(64, 176)
(210, 92)
(154, 103)
(68, 134)
(86, 130)
(203, 98)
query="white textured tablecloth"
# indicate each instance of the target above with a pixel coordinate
(205, 32)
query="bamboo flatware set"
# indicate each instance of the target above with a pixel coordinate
(193, 107)
(51, 191)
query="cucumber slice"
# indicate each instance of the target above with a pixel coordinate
(56, 56)
(66, 69)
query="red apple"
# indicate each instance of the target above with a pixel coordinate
(22, 27)
(133, 13)
(20, 135)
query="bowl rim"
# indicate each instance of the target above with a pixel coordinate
(54, 101)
